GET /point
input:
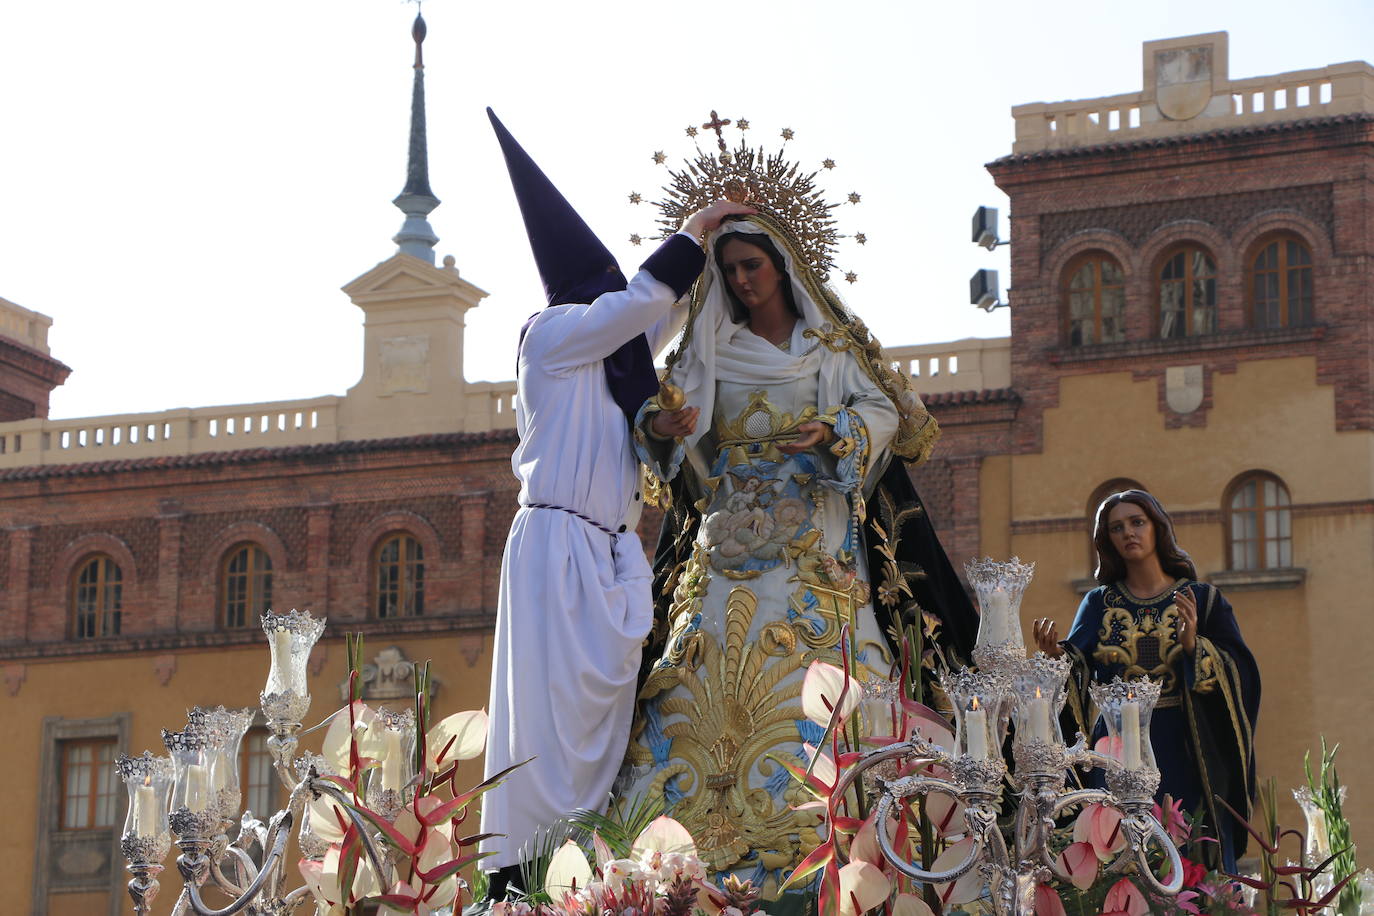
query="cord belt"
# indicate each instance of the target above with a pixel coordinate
(590, 521)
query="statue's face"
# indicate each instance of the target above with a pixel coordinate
(1131, 531)
(751, 275)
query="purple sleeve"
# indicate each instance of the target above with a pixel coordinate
(676, 263)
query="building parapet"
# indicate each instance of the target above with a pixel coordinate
(935, 368)
(1186, 90)
(27, 327)
(972, 364)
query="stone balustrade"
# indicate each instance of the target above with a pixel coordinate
(972, 364)
(1346, 88)
(964, 365)
(185, 431)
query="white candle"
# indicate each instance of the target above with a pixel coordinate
(976, 732)
(219, 771)
(147, 818)
(197, 788)
(1130, 735)
(391, 762)
(1040, 717)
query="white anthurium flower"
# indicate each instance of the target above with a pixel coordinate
(821, 691)
(325, 815)
(568, 868)
(910, 905)
(463, 733)
(365, 880)
(663, 835)
(965, 889)
(335, 746)
(865, 883)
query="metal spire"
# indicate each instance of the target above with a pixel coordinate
(416, 200)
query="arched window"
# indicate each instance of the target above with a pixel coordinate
(97, 598)
(1280, 284)
(1259, 523)
(400, 576)
(1187, 293)
(245, 591)
(1095, 300)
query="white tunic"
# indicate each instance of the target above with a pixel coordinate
(575, 602)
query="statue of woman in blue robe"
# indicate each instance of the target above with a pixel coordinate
(1150, 617)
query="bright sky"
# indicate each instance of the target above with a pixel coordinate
(187, 185)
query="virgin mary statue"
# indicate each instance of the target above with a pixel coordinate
(794, 535)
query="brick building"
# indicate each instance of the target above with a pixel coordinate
(1191, 266)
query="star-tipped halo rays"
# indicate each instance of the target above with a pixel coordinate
(776, 184)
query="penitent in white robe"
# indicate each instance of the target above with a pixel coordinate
(575, 602)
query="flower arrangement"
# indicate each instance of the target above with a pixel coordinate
(396, 777)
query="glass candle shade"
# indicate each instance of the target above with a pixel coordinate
(1039, 690)
(999, 586)
(224, 730)
(193, 812)
(386, 786)
(979, 700)
(1126, 708)
(290, 637)
(148, 780)
(286, 697)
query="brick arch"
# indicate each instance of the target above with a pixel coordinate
(87, 544)
(1273, 222)
(1113, 243)
(238, 533)
(360, 557)
(1180, 232)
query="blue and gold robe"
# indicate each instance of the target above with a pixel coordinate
(1203, 727)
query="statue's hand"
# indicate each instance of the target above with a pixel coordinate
(674, 424)
(1047, 637)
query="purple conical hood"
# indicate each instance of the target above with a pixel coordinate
(573, 263)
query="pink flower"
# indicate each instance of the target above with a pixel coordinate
(1173, 819)
(1184, 901)
(1124, 899)
(1101, 826)
(1047, 902)
(1079, 862)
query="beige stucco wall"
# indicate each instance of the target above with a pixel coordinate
(1311, 641)
(95, 688)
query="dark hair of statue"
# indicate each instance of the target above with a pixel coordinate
(1172, 558)
(739, 313)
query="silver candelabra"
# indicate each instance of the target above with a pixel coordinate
(194, 794)
(1029, 693)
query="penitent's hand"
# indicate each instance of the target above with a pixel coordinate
(1047, 637)
(674, 424)
(809, 435)
(709, 217)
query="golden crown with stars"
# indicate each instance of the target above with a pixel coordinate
(769, 182)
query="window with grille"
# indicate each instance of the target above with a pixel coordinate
(87, 783)
(1280, 284)
(246, 585)
(1187, 293)
(400, 577)
(1095, 300)
(97, 598)
(1260, 523)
